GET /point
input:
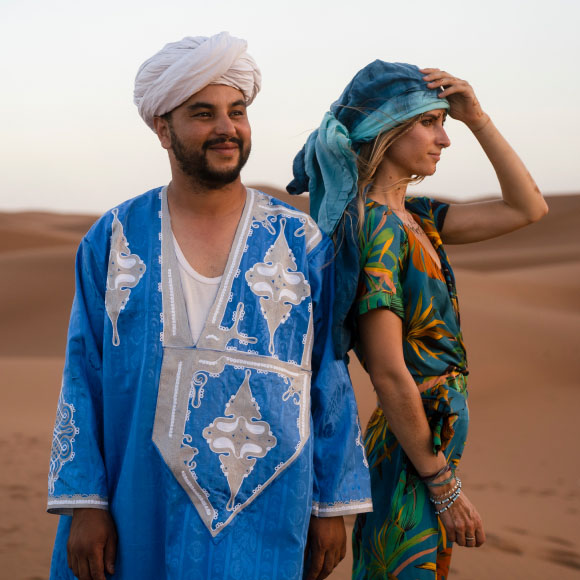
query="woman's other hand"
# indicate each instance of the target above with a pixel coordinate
(461, 520)
(463, 103)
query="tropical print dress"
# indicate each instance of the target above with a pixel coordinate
(403, 538)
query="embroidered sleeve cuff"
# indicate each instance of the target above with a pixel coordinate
(340, 508)
(64, 505)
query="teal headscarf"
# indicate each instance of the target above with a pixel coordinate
(380, 96)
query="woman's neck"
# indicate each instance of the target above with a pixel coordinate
(393, 195)
(388, 188)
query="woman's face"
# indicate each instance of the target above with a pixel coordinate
(418, 151)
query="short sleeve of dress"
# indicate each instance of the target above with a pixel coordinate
(429, 210)
(439, 211)
(383, 244)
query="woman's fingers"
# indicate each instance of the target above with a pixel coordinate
(436, 78)
(449, 526)
(452, 90)
(460, 524)
(444, 80)
(429, 71)
(463, 524)
(435, 74)
(479, 535)
(447, 83)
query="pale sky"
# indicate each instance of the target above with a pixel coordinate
(72, 139)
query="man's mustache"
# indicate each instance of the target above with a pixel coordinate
(220, 140)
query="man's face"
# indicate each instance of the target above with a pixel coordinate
(209, 135)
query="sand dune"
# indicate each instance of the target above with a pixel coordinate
(521, 316)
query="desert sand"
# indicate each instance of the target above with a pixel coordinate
(519, 299)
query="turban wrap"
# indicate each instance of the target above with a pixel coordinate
(181, 69)
(381, 96)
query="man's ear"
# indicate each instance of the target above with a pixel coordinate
(161, 126)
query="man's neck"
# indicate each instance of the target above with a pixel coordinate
(188, 196)
(204, 222)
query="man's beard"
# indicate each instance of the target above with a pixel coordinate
(195, 164)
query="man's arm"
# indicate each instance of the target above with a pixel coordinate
(77, 477)
(92, 544)
(326, 546)
(341, 479)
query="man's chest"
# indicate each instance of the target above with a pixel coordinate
(206, 246)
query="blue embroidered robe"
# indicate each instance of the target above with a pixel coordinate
(210, 457)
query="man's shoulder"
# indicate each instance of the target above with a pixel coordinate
(137, 211)
(145, 203)
(296, 220)
(276, 201)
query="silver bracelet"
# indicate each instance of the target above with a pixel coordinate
(439, 512)
(446, 496)
(449, 499)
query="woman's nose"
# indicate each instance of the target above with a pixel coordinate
(443, 138)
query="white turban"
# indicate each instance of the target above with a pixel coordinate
(181, 69)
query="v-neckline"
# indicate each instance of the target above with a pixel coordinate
(437, 263)
(174, 300)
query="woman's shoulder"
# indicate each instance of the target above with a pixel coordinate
(380, 215)
(419, 204)
(382, 225)
(428, 208)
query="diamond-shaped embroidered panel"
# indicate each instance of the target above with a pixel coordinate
(228, 426)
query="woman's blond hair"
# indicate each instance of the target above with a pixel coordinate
(370, 157)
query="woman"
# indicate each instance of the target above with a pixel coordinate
(386, 131)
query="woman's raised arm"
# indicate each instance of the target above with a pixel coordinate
(521, 203)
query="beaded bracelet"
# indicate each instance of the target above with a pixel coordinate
(449, 499)
(444, 496)
(449, 504)
(450, 492)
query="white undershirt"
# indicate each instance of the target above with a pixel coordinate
(199, 292)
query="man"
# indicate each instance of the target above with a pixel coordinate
(204, 428)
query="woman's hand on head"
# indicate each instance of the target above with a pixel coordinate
(463, 103)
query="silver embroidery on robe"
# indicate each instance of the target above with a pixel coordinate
(240, 438)
(266, 213)
(195, 385)
(63, 438)
(278, 283)
(125, 271)
(359, 441)
(219, 336)
(187, 453)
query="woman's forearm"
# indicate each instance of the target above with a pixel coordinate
(519, 190)
(401, 403)
(521, 203)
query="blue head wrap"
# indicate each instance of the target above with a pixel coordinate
(380, 96)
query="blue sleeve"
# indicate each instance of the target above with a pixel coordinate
(77, 475)
(341, 478)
